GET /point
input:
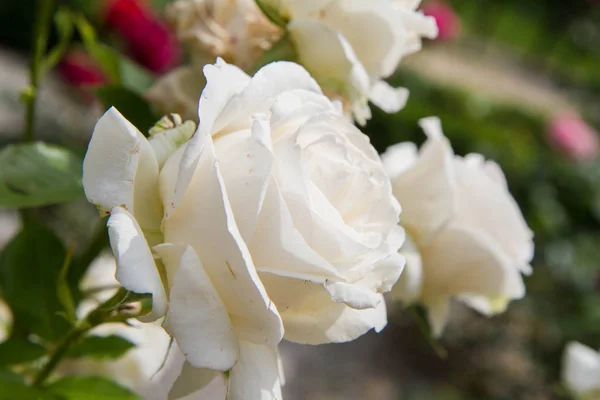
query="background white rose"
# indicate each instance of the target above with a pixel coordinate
(235, 30)
(581, 370)
(467, 232)
(350, 46)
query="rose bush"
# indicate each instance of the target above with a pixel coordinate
(467, 237)
(276, 190)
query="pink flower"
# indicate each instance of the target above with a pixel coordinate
(149, 41)
(79, 69)
(446, 18)
(573, 136)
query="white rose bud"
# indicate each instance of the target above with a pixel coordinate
(276, 189)
(350, 46)
(468, 238)
(581, 370)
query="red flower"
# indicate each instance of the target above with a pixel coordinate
(446, 18)
(79, 69)
(149, 41)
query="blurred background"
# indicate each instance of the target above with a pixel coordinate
(518, 81)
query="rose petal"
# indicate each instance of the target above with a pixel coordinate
(478, 193)
(353, 295)
(198, 384)
(246, 167)
(461, 260)
(256, 375)
(197, 317)
(222, 82)
(136, 269)
(428, 208)
(381, 52)
(178, 379)
(398, 158)
(330, 58)
(120, 169)
(205, 221)
(279, 248)
(260, 93)
(320, 320)
(389, 99)
(384, 275)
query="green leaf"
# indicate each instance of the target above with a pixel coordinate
(159, 5)
(11, 390)
(90, 388)
(18, 350)
(102, 347)
(6, 375)
(273, 11)
(106, 57)
(130, 104)
(13, 387)
(134, 76)
(64, 25)
(38, 174)
(29, 267)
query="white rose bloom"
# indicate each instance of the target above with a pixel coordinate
(581, 370)
(468, 238)
(350, 46)
(235, 30)
(309, 195)
(275, 181)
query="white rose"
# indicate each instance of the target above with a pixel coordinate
(275, 180)
(235, 30)
(350, 46)
(309, 195)
(581, 370)
(468, 238)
